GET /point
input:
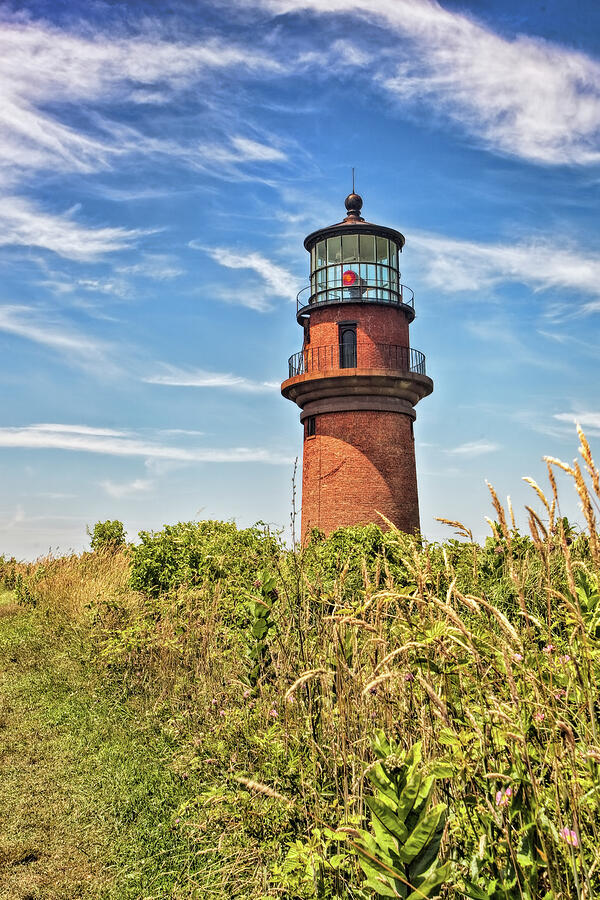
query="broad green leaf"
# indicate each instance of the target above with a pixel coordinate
(389, 820)
(446, 736)
(259, 628)
(424, 833)
(407, 799)
(442, 769)
(421, 802)
(379, 778)
(381, 745)
(424, 860)
(383, 837)
(382, 888)
(369, 842)
(413, 757)
(429, 885)
(379, 865)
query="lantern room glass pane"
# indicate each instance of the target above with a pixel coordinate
(382, 250)
(321, 257)
(350, 247)
(334, 250)
(393, 255)
(367, 247)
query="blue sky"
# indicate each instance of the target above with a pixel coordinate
(159, 170)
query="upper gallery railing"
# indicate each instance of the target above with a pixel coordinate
(356, 282)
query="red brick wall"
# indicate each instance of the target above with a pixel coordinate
(359, 463)
(374, 324)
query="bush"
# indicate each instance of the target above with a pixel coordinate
(191, 553)
(107, 536)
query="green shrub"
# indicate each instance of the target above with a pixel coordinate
(107, 536)
(191, 553)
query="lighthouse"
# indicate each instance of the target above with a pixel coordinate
(356, 379)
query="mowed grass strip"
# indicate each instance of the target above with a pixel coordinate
(89, 798)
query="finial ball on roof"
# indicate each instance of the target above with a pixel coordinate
(354, 204)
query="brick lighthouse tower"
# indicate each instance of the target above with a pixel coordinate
(357, 379)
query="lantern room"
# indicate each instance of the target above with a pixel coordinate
(354, 262)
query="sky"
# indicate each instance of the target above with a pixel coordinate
(160, 165)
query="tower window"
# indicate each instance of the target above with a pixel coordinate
(347, 334)
(311, 426)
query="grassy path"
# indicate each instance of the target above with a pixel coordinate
(88, 792)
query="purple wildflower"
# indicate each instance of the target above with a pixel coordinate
(503, 797)
(569, 836)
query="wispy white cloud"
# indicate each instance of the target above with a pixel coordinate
(278, 281)
(89, 430)
(61, 285)
(522, 96)
(127, 488)
(22, 223)
(75, 348)
(474, 448)
(46, 71)
(589, 421)
(41, 63)
(78, 439)
(157, 266)
(200, 378)
(341, 51)
(452, 265)
(254, 150)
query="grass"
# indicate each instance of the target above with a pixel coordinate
(214, 732)
(91, 785)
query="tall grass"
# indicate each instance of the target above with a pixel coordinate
(488, 656)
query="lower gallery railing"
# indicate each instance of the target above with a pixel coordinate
(362, 354)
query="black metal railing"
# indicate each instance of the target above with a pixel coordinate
(373, 284)
(364, 355)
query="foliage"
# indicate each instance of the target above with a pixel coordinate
(269, 672)
(401, 858)
(261, 624)
(193, 553)
(107, 536)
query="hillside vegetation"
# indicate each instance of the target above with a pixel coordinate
(214, 715)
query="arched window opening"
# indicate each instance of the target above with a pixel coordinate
(347, 334)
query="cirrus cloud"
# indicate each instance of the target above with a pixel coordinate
(83, 439)
(522, 96)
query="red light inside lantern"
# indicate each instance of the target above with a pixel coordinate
(349, 277)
